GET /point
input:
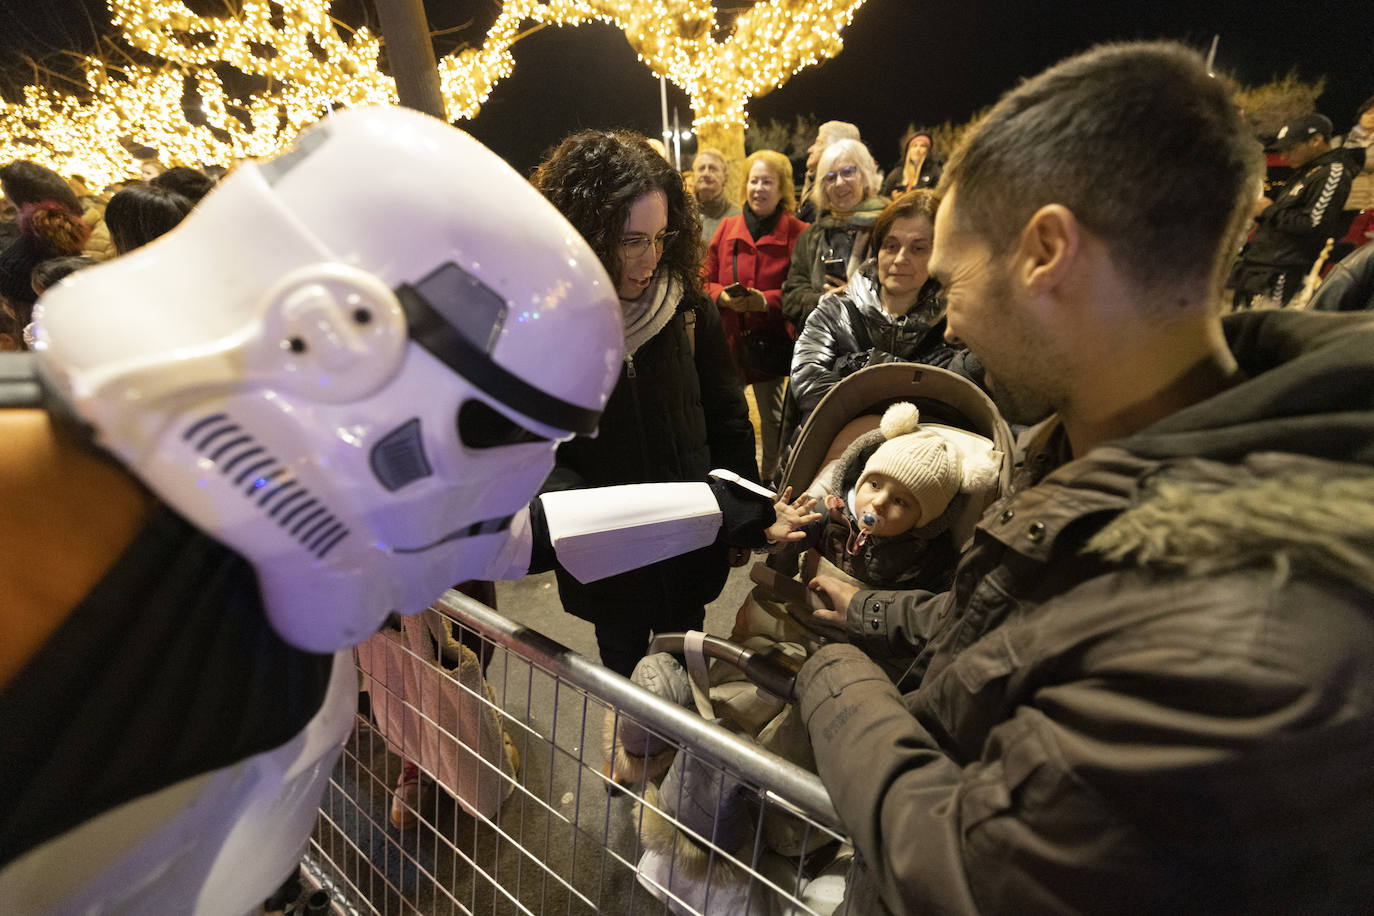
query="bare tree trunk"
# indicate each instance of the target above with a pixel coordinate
(730, 141)
(411, 55)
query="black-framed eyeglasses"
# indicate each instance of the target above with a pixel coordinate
(846, 173)
(637, 246)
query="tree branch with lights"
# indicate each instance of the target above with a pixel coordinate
(291, 52)
(768, 43)
(301, 64)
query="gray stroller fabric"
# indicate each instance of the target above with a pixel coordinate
(707, 801)
(663, 675)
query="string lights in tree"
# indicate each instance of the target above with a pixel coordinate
(769, 43)
(292, 50)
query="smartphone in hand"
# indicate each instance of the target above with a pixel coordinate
(736, 290)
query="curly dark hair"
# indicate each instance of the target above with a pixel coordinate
(594, 177)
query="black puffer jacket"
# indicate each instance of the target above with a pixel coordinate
(671, 417)
(928, 177)
(1306, 213)
(829, 349)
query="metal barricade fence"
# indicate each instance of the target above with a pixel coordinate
(553, 833)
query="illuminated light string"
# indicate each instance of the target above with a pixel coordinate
(308, 68)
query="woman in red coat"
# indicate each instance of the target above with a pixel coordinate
(746, 262)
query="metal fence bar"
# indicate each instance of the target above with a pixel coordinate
(560, 832)
(803, 789)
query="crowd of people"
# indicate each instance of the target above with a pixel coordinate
(52, 226)
(1148, 685)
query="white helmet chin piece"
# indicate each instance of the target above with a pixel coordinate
(352, 364)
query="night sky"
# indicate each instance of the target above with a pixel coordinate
(904, 60)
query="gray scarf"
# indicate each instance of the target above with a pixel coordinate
(650, 313)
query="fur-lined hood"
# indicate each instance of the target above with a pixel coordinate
(1304, 491)
(1206, 517)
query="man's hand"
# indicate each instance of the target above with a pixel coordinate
(792, 517)
(837, 594)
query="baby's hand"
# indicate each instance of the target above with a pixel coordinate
(792, 516)
(836, 507)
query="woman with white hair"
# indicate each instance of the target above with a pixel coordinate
(827, 253)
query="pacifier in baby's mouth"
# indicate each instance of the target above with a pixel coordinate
(868, 525)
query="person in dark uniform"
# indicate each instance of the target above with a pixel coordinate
(1294, 226)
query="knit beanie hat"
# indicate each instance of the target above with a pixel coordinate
(923, 461)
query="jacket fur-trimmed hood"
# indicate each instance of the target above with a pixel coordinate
(1278, 467)
(1207, 517)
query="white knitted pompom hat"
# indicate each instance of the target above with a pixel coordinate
(923, 461)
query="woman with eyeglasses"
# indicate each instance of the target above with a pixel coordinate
(746, 262)
(678, 410)
(828, 253)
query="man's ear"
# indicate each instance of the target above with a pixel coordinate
(1048, 246)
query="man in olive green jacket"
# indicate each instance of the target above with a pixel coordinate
(1151, 688)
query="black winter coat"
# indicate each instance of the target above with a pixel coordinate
(928, 177)
(671, 417)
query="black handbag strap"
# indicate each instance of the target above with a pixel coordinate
(860, 327)
(734, 261)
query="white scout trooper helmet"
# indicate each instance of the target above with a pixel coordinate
(352, 364)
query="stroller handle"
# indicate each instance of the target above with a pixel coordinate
(770, 668)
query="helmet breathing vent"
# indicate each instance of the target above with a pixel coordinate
(399, 457)
(250, 468)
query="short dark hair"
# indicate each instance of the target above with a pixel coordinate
(190, 183)
(26, 182)
(921, 202)
(1074, 135)
(140, 213)
(594, 177)
(47, 273)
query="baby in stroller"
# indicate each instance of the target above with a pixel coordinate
(892, 497)
(902, 495)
